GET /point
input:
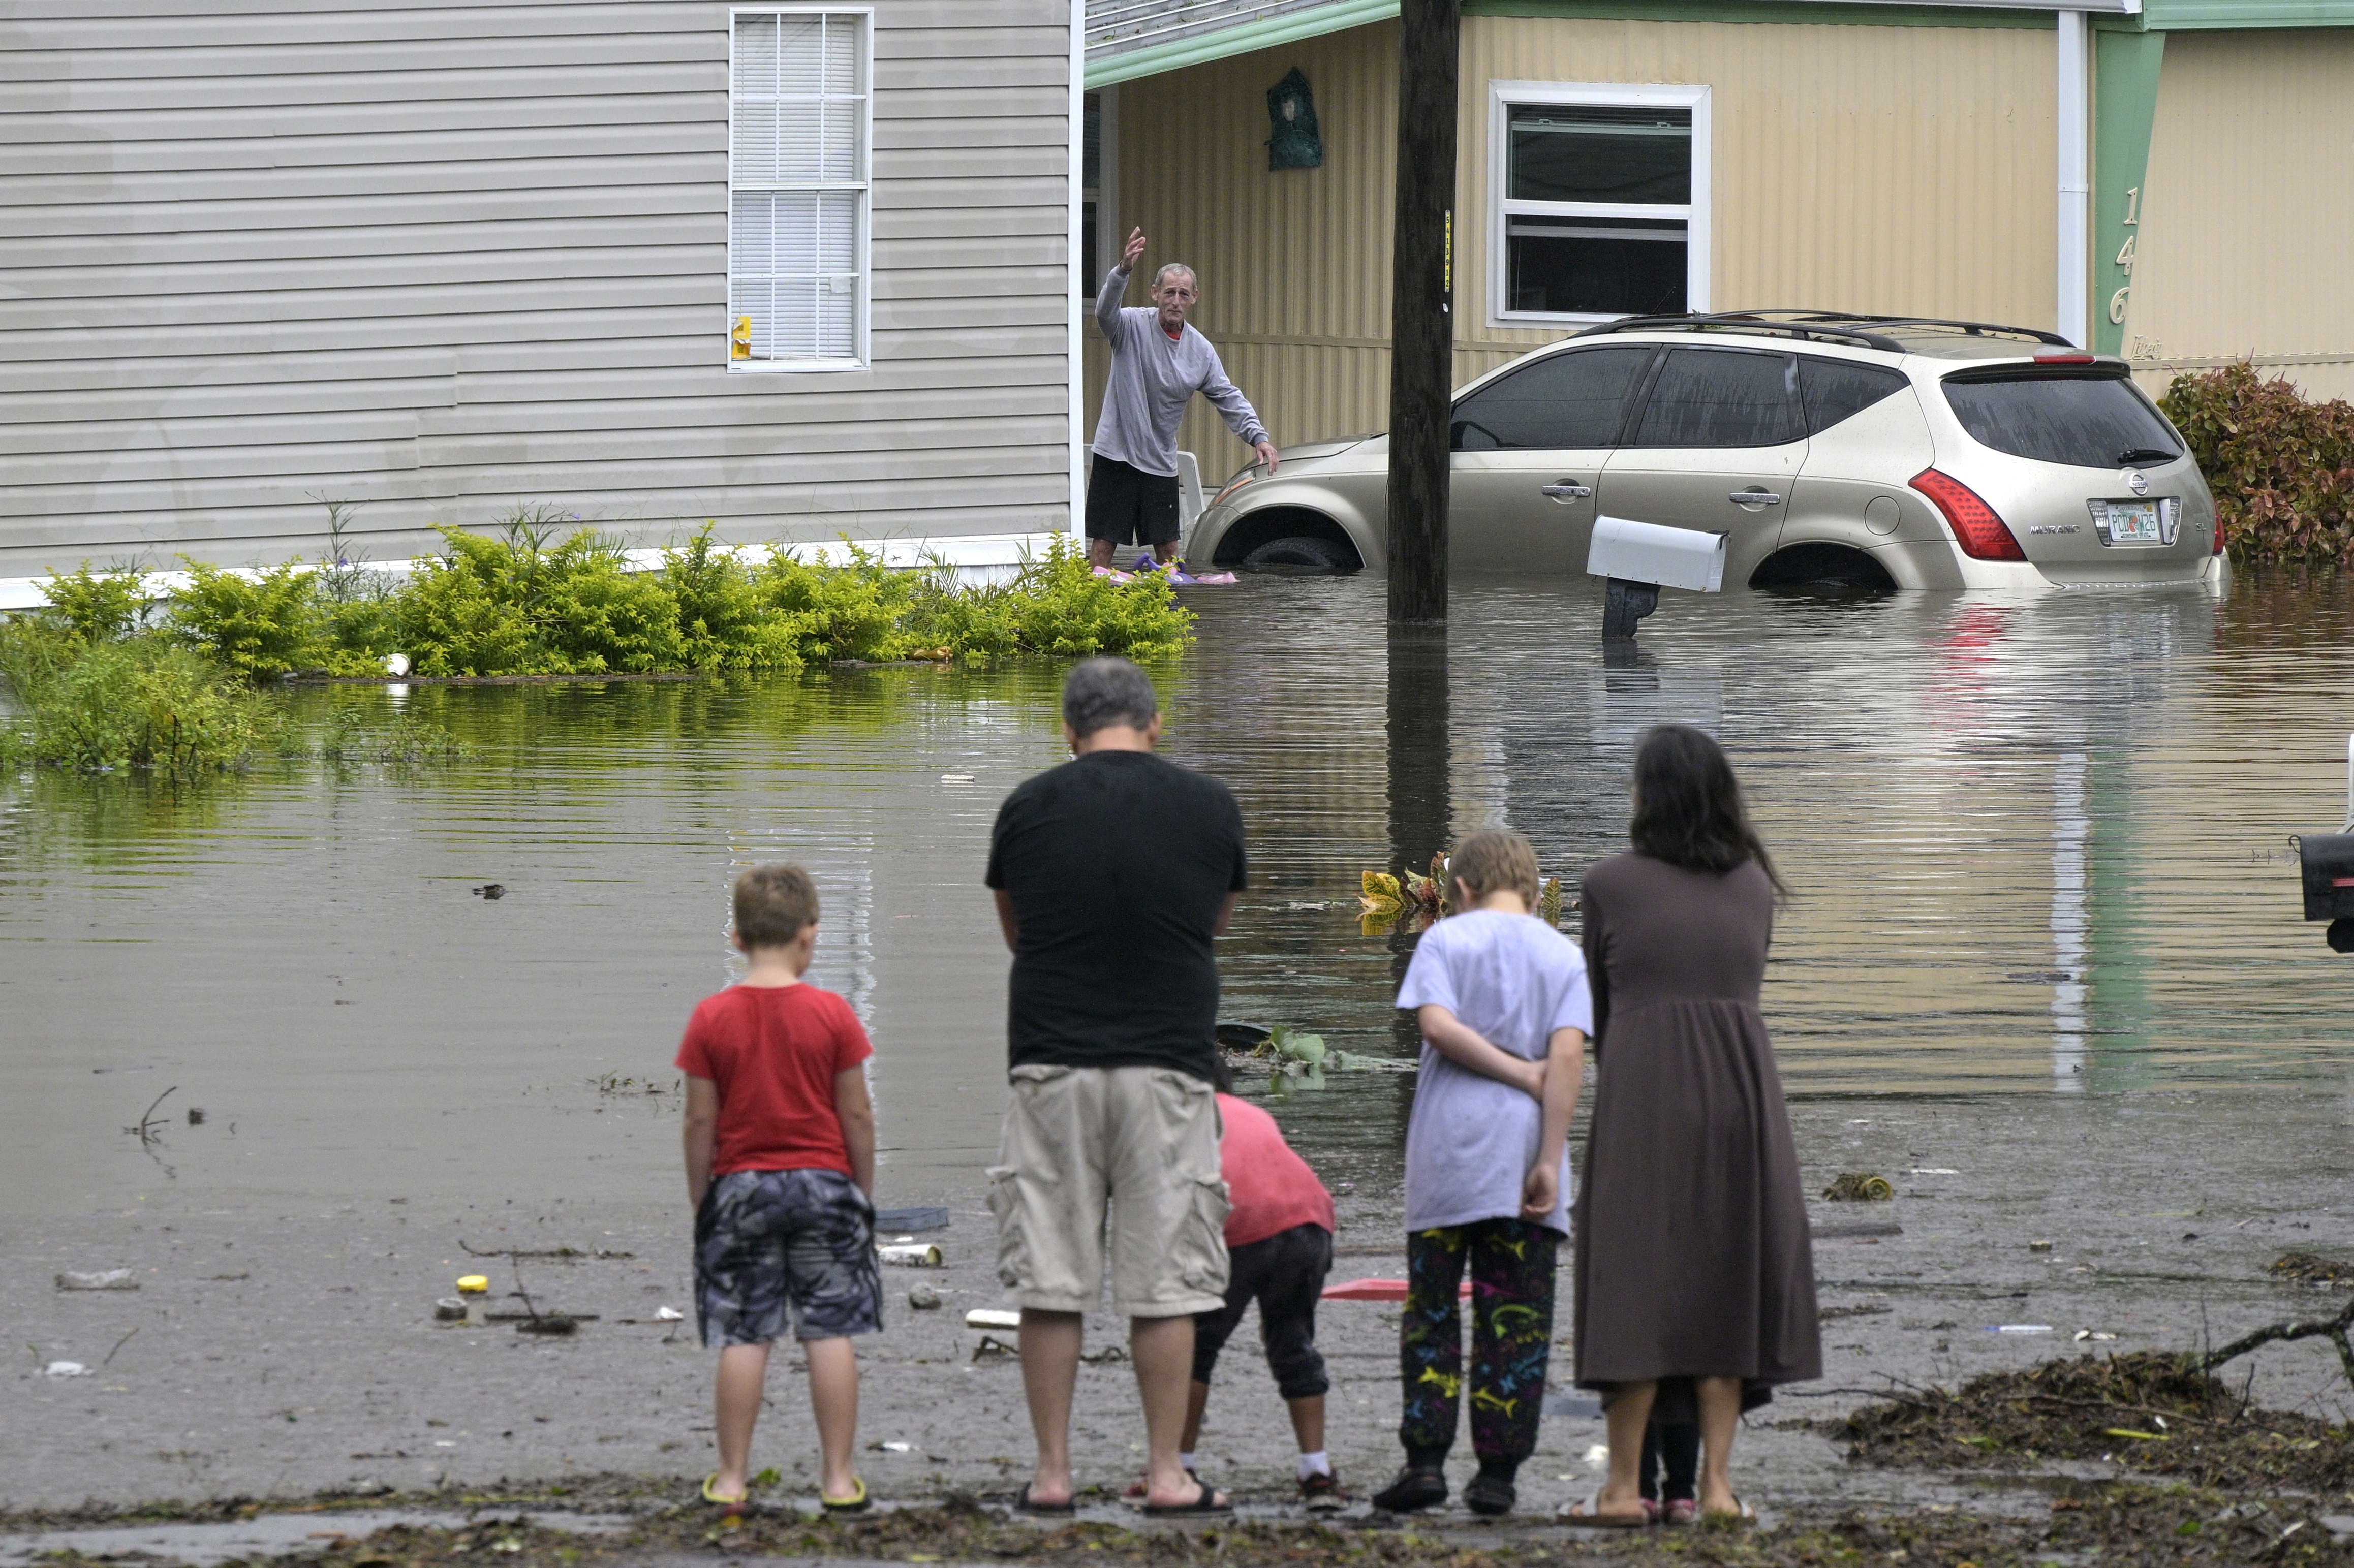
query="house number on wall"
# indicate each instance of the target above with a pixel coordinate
(2126, 258)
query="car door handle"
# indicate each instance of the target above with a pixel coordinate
(1565, 491)
(1754, 498)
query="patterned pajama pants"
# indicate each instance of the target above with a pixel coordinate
(1511, 1267)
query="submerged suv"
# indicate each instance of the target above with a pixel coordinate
(1872, 451)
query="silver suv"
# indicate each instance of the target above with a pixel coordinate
(1862, 450)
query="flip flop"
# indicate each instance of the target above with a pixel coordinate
(1202, 1507)
(858, 1504)
(1742, 1514)
(1590, 1515)
(1135, 1490)
(733, 1505)
(1042, 1510)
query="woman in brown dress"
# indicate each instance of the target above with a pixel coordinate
(1693, 1256)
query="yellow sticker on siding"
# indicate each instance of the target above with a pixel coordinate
(739, 341)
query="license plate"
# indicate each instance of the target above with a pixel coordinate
(2133, 523)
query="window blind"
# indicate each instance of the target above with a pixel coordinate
(798, 187)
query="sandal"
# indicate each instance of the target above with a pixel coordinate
(1063, 1509)
(858, 1502)
(1589, 1514)
(1682, 1510)
(1205, 1504)
(1490, 1495)
(1412, 1491)
(1136, 1490)
(733, 1505)
(1741, 1515)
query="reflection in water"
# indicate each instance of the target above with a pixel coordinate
(2026, 836)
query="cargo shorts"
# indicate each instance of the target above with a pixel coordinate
(1134, 1149)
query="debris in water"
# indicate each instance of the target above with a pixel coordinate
(195, 1116)
(548, 1323)
(956, 778)
(2310, 1265)
(2018, 1328)
(490, 890)
(992, 1347)
(991, 1317)
(921, 1255)
(2038, 1246)
(106, 1280)
(1858, 1187)
(923, 1298)
(449, 1308)
(66, 1369)
(669, 1315)
(879, 1447)
(2084, 1334)
(1109, 1353)
(1932, 1171)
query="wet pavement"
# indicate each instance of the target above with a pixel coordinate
(2044, 970)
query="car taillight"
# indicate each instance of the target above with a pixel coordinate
(1983, 535)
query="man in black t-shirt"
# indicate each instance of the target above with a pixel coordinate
(1113, 873)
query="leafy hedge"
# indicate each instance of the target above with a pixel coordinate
(109, 676)
(2282, 469)
(521, 604)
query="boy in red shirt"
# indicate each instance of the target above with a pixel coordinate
(781, 1169)
(1279, 1246)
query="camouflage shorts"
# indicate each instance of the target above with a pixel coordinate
(771, 1241)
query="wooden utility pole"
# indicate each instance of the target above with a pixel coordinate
(1422, 333)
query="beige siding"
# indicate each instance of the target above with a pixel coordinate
(449, 261)
(2246, 223)
(1882, 168)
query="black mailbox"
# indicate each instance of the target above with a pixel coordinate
(2326, 862)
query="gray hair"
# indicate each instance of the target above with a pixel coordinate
(1168, 267)
(1107, 690)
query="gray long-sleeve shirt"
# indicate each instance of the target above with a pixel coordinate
(1152, 378)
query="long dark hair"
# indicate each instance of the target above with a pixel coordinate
(1688, 809)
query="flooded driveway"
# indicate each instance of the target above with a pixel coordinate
(2038, 847)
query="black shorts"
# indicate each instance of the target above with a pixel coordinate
(1125, 502)
(1285, 1274)
(774, 1246)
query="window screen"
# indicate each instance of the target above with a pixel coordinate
(1722, 397)
(2096, 421)
(1597, 208)
(1568, 400)
(797, 177)
(1837, 389)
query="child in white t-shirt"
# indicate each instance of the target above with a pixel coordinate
(1502, 997)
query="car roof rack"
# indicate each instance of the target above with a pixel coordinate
(1827, 326)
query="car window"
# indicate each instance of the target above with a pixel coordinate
(1722, 397)
(1573, 399)
(1837, 389)
(2100, 420)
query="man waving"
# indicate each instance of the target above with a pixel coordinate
(1158, 363)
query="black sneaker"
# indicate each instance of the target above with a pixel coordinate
(1322, 1492)
(1489, 1494)
(1412, 1491)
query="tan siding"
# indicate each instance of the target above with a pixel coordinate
(1883, 168)
(449, 259)
(2245, 219)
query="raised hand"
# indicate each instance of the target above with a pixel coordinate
(1134, 252)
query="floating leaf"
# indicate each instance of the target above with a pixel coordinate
(1549, 901)
(1376, 922)
(1380, 893)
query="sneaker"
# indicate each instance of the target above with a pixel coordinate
(1322, 1492)
(1412, 1491)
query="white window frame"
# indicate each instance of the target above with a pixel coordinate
(862, 306)
(1501, 96)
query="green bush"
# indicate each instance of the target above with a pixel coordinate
(142, 703)
(264, 624)
(2282, 469)
(99, 607)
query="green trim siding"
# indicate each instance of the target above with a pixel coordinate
(1804, 13)
(2124, 103)
(2208, 16)
(1228, 42)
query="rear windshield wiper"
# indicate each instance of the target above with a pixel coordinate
(2146, 454)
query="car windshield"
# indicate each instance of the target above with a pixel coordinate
(2085, 421)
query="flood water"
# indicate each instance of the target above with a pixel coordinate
(2038, 845)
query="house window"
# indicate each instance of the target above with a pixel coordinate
(1601, 201)
(799, 119)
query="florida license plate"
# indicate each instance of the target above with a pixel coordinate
(2133, 523)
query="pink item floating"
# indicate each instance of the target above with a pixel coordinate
(1373, 1290)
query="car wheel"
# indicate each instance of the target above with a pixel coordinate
(1315, 554)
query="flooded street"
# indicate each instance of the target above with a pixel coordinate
(2044, 967)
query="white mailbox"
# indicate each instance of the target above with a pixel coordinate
(1647, 552)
